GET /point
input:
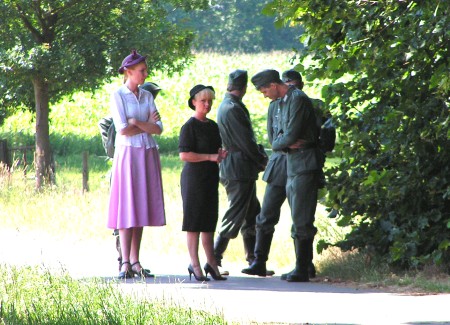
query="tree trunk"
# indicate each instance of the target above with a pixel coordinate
(43, 155)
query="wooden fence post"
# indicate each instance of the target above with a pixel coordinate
(85, 172)
(4, 153)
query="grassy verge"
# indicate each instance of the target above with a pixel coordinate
(34, 295)
(356, 269)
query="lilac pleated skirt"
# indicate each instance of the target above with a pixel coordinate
(136, 198)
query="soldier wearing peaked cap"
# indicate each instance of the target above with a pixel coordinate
(296, 134)
(239, 172)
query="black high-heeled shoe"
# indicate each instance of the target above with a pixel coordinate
(127, 274)
(198, 278)
(143, 273)
(216, 276)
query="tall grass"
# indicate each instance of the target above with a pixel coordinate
(35, 295)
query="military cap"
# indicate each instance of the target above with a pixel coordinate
(238, 78)
(151, 87)
(266, 77)
(290, 75)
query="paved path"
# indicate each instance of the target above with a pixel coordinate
(243, 299)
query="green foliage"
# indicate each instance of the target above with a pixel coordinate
(74, 46)
(387, 64)
(237, 26)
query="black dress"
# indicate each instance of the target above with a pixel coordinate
(200, 180)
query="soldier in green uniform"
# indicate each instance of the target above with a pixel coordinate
(298, 136)
(239, 172)
(274, 196)
(323, 117)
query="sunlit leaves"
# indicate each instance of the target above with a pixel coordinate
(74, 45)
(393, 117)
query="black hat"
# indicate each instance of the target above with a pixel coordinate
(290, 75)
(194, 91)
(130, 60)
(238, 78)
(151, 87)
(266, 77)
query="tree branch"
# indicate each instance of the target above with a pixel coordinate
(36, 34)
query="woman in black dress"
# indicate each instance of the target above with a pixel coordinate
(200, 148)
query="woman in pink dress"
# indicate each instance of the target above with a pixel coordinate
(136, 185)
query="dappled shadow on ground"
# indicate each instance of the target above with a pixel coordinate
(246, 283)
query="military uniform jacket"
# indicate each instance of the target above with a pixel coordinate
(275, 172)
(298, 121)
(245, 159)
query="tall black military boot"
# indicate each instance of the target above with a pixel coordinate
(311, 267)
(249, 248)
(262, 248)
(300, 273)
(285, 275)
(220, 245)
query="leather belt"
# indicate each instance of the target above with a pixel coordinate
(305, 146)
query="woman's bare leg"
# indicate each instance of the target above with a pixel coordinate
(208, 246)
(125, 245)
(192, 244)
(136, 238)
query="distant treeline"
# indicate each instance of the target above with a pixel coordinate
(237, 26)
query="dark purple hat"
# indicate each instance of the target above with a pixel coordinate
(194, 91)
(130, 60)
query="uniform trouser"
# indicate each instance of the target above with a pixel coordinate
(302, 197)
(242, 210)
(274, 197)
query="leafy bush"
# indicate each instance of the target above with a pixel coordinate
(390, 88)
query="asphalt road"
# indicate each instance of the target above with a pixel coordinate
(246, 299)
(242, 299)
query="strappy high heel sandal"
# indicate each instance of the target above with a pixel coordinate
(216, 276)
(127, 274)
(143, 273)
(198, 278)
